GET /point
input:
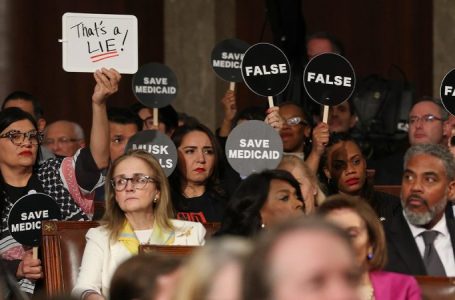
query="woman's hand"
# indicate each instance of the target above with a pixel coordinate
(273, 118)
(229, 105)
(230, 110)
(320, 138)
(29, 267)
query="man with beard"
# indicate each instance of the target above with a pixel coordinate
(421, 237)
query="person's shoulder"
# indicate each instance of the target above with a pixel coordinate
(392, 277)
(100, 232)
(50, 164)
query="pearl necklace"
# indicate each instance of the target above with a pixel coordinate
(366, 292)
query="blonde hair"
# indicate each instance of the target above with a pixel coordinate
(202, 267)
(114, 217)
(295, 162)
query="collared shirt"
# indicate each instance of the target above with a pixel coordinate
(442, 243)
(300, 155)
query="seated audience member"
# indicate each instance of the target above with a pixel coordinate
(367, 235)
(426, 126)
(323, 42)
(214, 271)
(27, 103)
(30, 104)
(309, 184)
(345, 168)
(342, 117)
(260, 201)
(138, 211)
(198, 194)
(123, 124)
(64, 138)
(296, 129)
(167, 118)
(296, 132)
(19, 173)
(421, 236)
(152, 276)
(302, 259)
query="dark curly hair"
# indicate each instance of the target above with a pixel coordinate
(242, 216)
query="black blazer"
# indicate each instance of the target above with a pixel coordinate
(403, 254)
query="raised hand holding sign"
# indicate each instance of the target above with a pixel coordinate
(329, 79)
(266, 70)
(227, 59)
(94, 41)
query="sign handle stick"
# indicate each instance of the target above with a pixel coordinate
(270, 98)
(155, 117)
(35, 252)
(232, 86)
(325, 114)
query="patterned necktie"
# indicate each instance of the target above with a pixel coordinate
(431, 258)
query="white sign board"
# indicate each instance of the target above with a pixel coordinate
(93, 41)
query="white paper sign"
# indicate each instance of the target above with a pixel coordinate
(93, 41)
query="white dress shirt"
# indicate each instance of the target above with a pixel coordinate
(442, 243)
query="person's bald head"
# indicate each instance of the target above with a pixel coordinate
(64, 138)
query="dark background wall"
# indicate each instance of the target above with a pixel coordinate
(376, 36)
(34, 61)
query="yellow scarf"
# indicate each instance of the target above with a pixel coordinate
(159, 237)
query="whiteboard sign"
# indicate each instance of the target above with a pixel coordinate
(93, 41)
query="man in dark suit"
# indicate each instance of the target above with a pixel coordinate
(421, 237)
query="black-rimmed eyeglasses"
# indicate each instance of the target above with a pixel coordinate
(18, 137)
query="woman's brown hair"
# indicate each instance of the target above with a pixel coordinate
(375, 231)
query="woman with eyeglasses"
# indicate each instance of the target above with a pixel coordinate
(21, 174)
(138, 211)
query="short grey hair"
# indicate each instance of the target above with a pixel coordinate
(78, 131)
(435, 150)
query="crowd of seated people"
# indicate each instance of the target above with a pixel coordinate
(278, 231)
